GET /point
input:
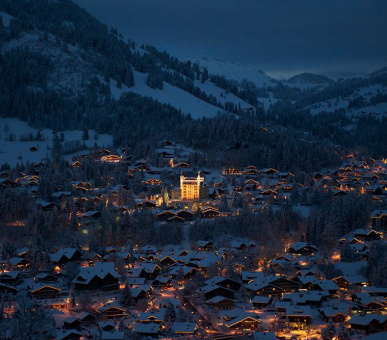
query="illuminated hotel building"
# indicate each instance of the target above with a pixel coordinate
(193, 188)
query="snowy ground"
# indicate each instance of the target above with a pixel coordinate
(178, 98)
(342, 103)
(6, 18)
(17, 151)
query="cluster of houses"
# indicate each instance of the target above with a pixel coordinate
(121, 293)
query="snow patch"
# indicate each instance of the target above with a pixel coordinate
(6, 18)
(16, 151)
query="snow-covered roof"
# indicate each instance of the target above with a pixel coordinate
(101, 269)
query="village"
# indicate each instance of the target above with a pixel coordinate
(193, 287)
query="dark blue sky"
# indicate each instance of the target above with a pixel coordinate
(333, 37)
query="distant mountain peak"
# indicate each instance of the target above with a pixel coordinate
(379, 72)
(309, 78)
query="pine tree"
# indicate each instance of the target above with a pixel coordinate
(126, 296)
(31, 319)
(343, 333)
(329, 331)
(85, 134)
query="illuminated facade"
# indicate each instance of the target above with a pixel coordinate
(193, 188)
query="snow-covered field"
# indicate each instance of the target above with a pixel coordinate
(16, 151)
(342, 103)
(178, 98)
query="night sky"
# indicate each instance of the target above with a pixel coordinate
(332, 37)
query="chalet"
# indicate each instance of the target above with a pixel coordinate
(11, 277)
(345, 282)
(187, 215)
(86, 319)
(309, 298)
(370, 323)
(62, 256)
(176, 219)
(368, 303)
(167, 261)
(106, 326)
(379, 220)
(205, 245)
(334, 313)
(261, 301)
(263, 288)
(145, 204)
(162, 283)
(367, 235)
(302, 248)
(147, 329)
(139, 293)
(71, 323)
(184, 328)
(298, 317)
(45, 292)
(149, 270)
(100, 278)
(89, 216)
(44, 205)
(285, 284)
(111, 159)
(221, 302)
(269, 171)
(149, 249)
(19, 263)
(211, 291)
(209, 212)
(152, 317)
(251, 171)
(183, 272)
(244, 322)
(112, 310)
(224, 282)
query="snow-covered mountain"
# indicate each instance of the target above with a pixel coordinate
(236, 71)
(310, 79)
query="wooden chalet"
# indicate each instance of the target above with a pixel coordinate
(370, 323)
(244, 322)
(211, 291)
(302, 248)
(345, 282)
(100, 278)
(46, 292)
(184, 328)
(205, 245)
(221, 302)
(112, 310)
(367, 235)
(261, 301)
(209, 212)
(298, 317)
(379, 220)
(71, 323)
(86, 319)
(336, 314)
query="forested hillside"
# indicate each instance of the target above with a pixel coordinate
(58, 66)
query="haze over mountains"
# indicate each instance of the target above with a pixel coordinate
(283, 38)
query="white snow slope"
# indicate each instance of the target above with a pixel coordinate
(17, 151)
